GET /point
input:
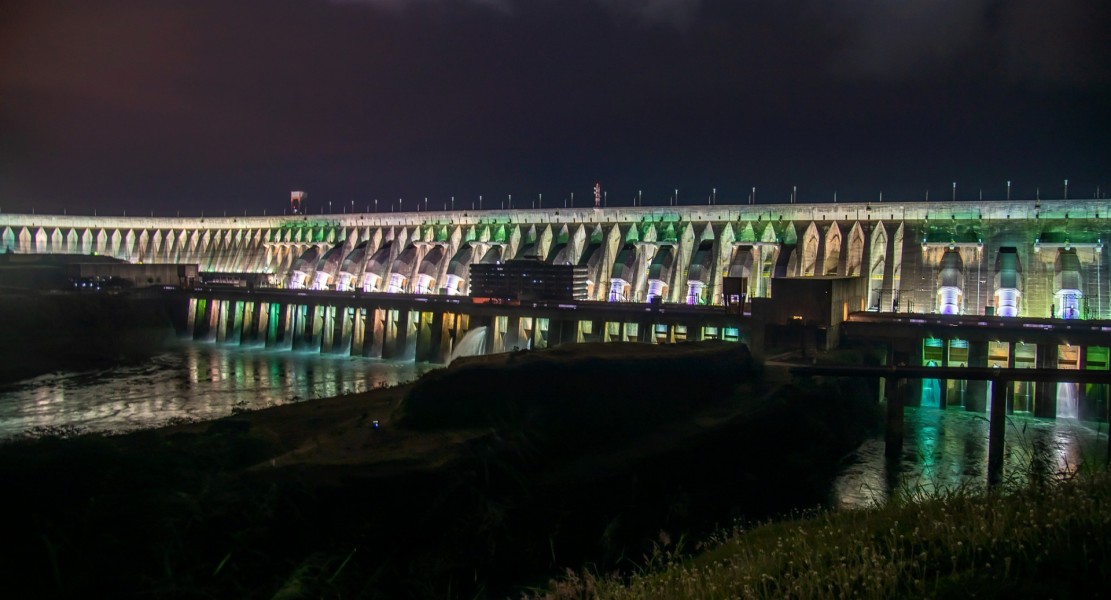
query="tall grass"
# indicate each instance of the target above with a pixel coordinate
(1046, 539)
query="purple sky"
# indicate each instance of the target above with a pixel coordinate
(167, 105)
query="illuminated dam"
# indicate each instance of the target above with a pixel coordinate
(946, 284)
(1034, 258)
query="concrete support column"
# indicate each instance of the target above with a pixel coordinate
(893, 430)
(285, 332)
(221, 323)
(235, 325)
(393, 331)
(374, 332)
(430, 335)
(1045, 392)
(943, 384)
(513, 333)
(443, 326)
(247, 329)
(327, 328)
(997, 428)
(976, 398)
(203, 319)
(345, 330)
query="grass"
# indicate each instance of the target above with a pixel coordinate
(1045, 539)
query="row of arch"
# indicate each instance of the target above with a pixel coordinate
(625, 262)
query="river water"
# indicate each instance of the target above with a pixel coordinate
(192, 382)
(198, 381)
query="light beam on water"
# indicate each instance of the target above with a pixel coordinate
(195, 382)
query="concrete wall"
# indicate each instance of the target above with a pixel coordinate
(896, 246)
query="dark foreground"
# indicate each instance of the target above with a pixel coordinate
(480, 480)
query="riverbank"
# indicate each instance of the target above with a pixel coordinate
(479, 480)
(1037, 539)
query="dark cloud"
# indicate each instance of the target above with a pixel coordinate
(156, 103)
(1029, 41)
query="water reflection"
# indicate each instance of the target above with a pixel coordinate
(949, 448)
(194, 382)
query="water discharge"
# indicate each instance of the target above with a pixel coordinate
(472, 344)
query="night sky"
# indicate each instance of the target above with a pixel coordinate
(168, 105)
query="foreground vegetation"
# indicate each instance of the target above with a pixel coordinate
(480, 480)
(1045, 539)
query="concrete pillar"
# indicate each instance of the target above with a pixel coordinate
(893, 430)
(247, 328)
(943, 384)
(221, 324)
(203, 319)
(513, 333)
(287, 323)
(430, 333)
(235, 334)
(391, 333)
(345, 330)
(976, 398)
(327, 328)
(1045, 394)
(996, 429)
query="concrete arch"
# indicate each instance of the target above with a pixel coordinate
(301, 270)
(876, 264)
(809, 255)
(855, 251)
(427, 275)
(831, 260)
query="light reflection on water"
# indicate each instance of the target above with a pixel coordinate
(196, 381)
(949, 448)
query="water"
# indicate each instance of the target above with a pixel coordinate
(949, 448)
(193, 382)
(198, 381)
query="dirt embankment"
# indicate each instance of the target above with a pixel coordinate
(475, 481)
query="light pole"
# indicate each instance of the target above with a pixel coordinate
(453, 203)
(1066, 189)
(1008, 189)
(376, 205)
(752, 198)
(954, 191)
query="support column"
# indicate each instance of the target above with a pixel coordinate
(997, 428)
(943, 384)
(249, 329)
(513, 333)
(203, 319)
(893, 430)
(235, 332)
(976, 399)
(345, 328)
(1045, 392)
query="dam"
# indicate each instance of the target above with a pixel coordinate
(1031, 258)
(940, 284)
